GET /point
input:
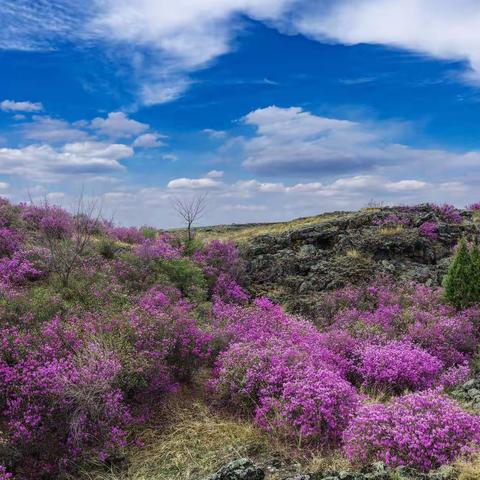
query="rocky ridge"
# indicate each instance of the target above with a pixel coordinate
(350, 247)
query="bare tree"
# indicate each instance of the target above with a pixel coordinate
(190, 210)
(67, 248)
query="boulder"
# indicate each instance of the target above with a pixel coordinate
(241, 469)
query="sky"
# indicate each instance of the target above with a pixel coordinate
(274, 109)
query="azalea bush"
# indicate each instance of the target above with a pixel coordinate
(421, 430)
(429, 230)
(398, 366)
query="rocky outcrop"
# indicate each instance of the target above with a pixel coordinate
(245, 469)
(351, 247)
(241, 469)
(469, 393)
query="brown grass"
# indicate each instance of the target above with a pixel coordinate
(468, 470)
(391, 231)
(196, 441)
(242, 234)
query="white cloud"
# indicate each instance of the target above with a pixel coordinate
(439, 28)
(183, 36)
(13, 106)
(54, 196)
(47, 129)
(215, 174)
(149, 140)
(45, 163)
(166, 41)
(291, 141)
(406, 185)
(174, 31)
(4, 185)
(214, 133)
(193, 183)
(118, 125)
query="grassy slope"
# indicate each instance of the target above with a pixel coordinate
(242, 233)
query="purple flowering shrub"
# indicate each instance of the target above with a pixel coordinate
(4, 475)
(67, 391)
(129, 235)
(398, 366)
(474, 207)
(409, 312)
(154, 249)
(60, 396)
(429, 230)
(421, 430)
(314, 405)
(17, 270)
(448, 213)
(10, 241)
(276, 368)
(218, 257)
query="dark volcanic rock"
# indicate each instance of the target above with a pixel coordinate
(241, 469)
(347, 248)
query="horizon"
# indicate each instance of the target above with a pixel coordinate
(276, 109)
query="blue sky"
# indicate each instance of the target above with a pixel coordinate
(276, 108)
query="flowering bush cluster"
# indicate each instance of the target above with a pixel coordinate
(410, 313)
(448, 213)
(129, 235)
(429, 230)
(17, 270)
(421, 430)
(10, 241)
(160, 247)
(276, 368)
(220, 257)
(399, 366)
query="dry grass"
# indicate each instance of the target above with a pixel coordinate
(468, 470)
(391, 231)
(242, 234)
(354, 253)
(195, 444)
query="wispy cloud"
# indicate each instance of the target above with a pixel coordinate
(168, 41)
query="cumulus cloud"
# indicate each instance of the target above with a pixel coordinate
(149, 140)
(4, 185)
(13, 106)
(204, 183)
(118, 125)
(45, 163)
(215, 174)
(47, 129)
(291, 141)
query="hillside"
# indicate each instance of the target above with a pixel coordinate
(137, 354)
(294, 261)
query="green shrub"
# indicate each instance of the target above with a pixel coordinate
(107, 248)
(149, 232)
(462, 287)
(185, 275)
(40, 303)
